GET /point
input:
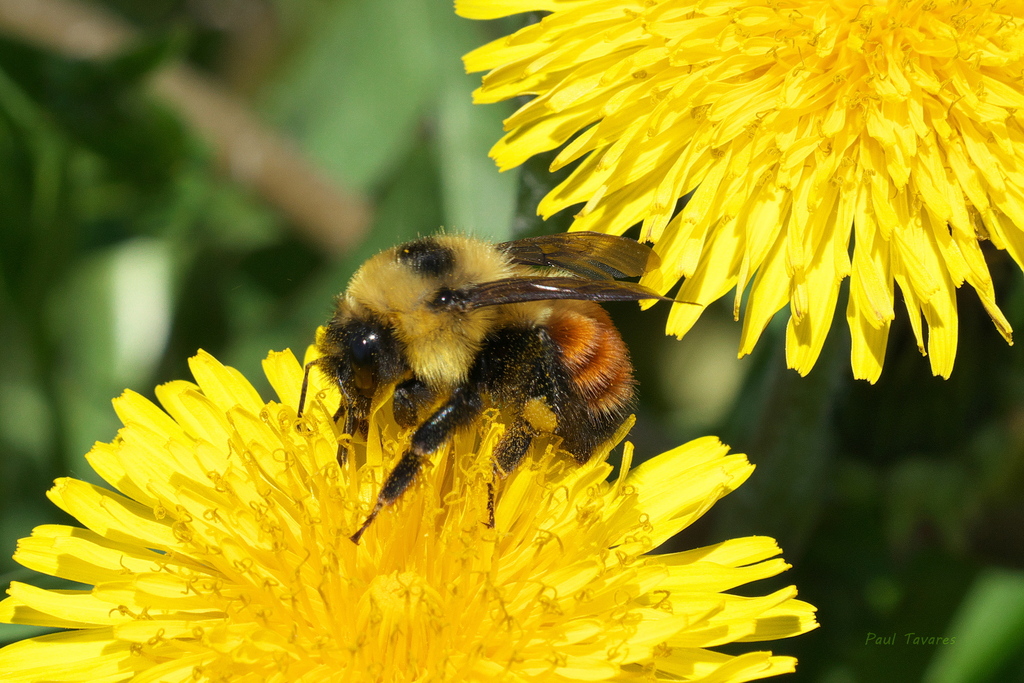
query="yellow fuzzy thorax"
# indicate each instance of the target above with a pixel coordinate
(439, 346)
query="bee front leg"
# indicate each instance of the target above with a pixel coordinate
(463, 406)
(411, 396)
(348, 428)
(346, 407)
(355, 411)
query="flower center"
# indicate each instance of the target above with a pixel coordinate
(398, 594)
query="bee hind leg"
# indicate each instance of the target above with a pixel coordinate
(508, 455)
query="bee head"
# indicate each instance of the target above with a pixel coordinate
(365, 351)
(412, 289)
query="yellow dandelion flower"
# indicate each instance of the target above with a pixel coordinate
(223, 555)
(800, 127)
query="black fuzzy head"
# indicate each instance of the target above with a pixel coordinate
(364, 354)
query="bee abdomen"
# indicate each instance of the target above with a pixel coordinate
(594, 355)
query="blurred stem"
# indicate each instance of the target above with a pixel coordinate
(251, 152)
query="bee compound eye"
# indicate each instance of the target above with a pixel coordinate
(364, 347)
(447, 298)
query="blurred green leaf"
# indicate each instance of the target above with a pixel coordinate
(102, 105)
(355, 94)
(477, 198)
(12, 632)
(989, 632)
(782, 421)
(937, 493)
(376, 77)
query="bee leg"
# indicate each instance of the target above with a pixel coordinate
(583, 435)
(348, 428)
(411, 396)
(512, 448)
(508, 455)
(490, 499)
(342, 451)
(463, 406)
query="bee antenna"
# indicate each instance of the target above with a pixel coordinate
(305, 384)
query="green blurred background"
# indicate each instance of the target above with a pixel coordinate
(134, 230)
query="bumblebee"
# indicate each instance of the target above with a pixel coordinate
(455, 324)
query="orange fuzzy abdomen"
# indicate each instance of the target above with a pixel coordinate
(594, 354)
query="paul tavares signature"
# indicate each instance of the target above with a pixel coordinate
(908, 639)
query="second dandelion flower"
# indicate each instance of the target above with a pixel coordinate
(878, 141)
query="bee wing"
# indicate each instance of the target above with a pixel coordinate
(593, 255)
(520, 289)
